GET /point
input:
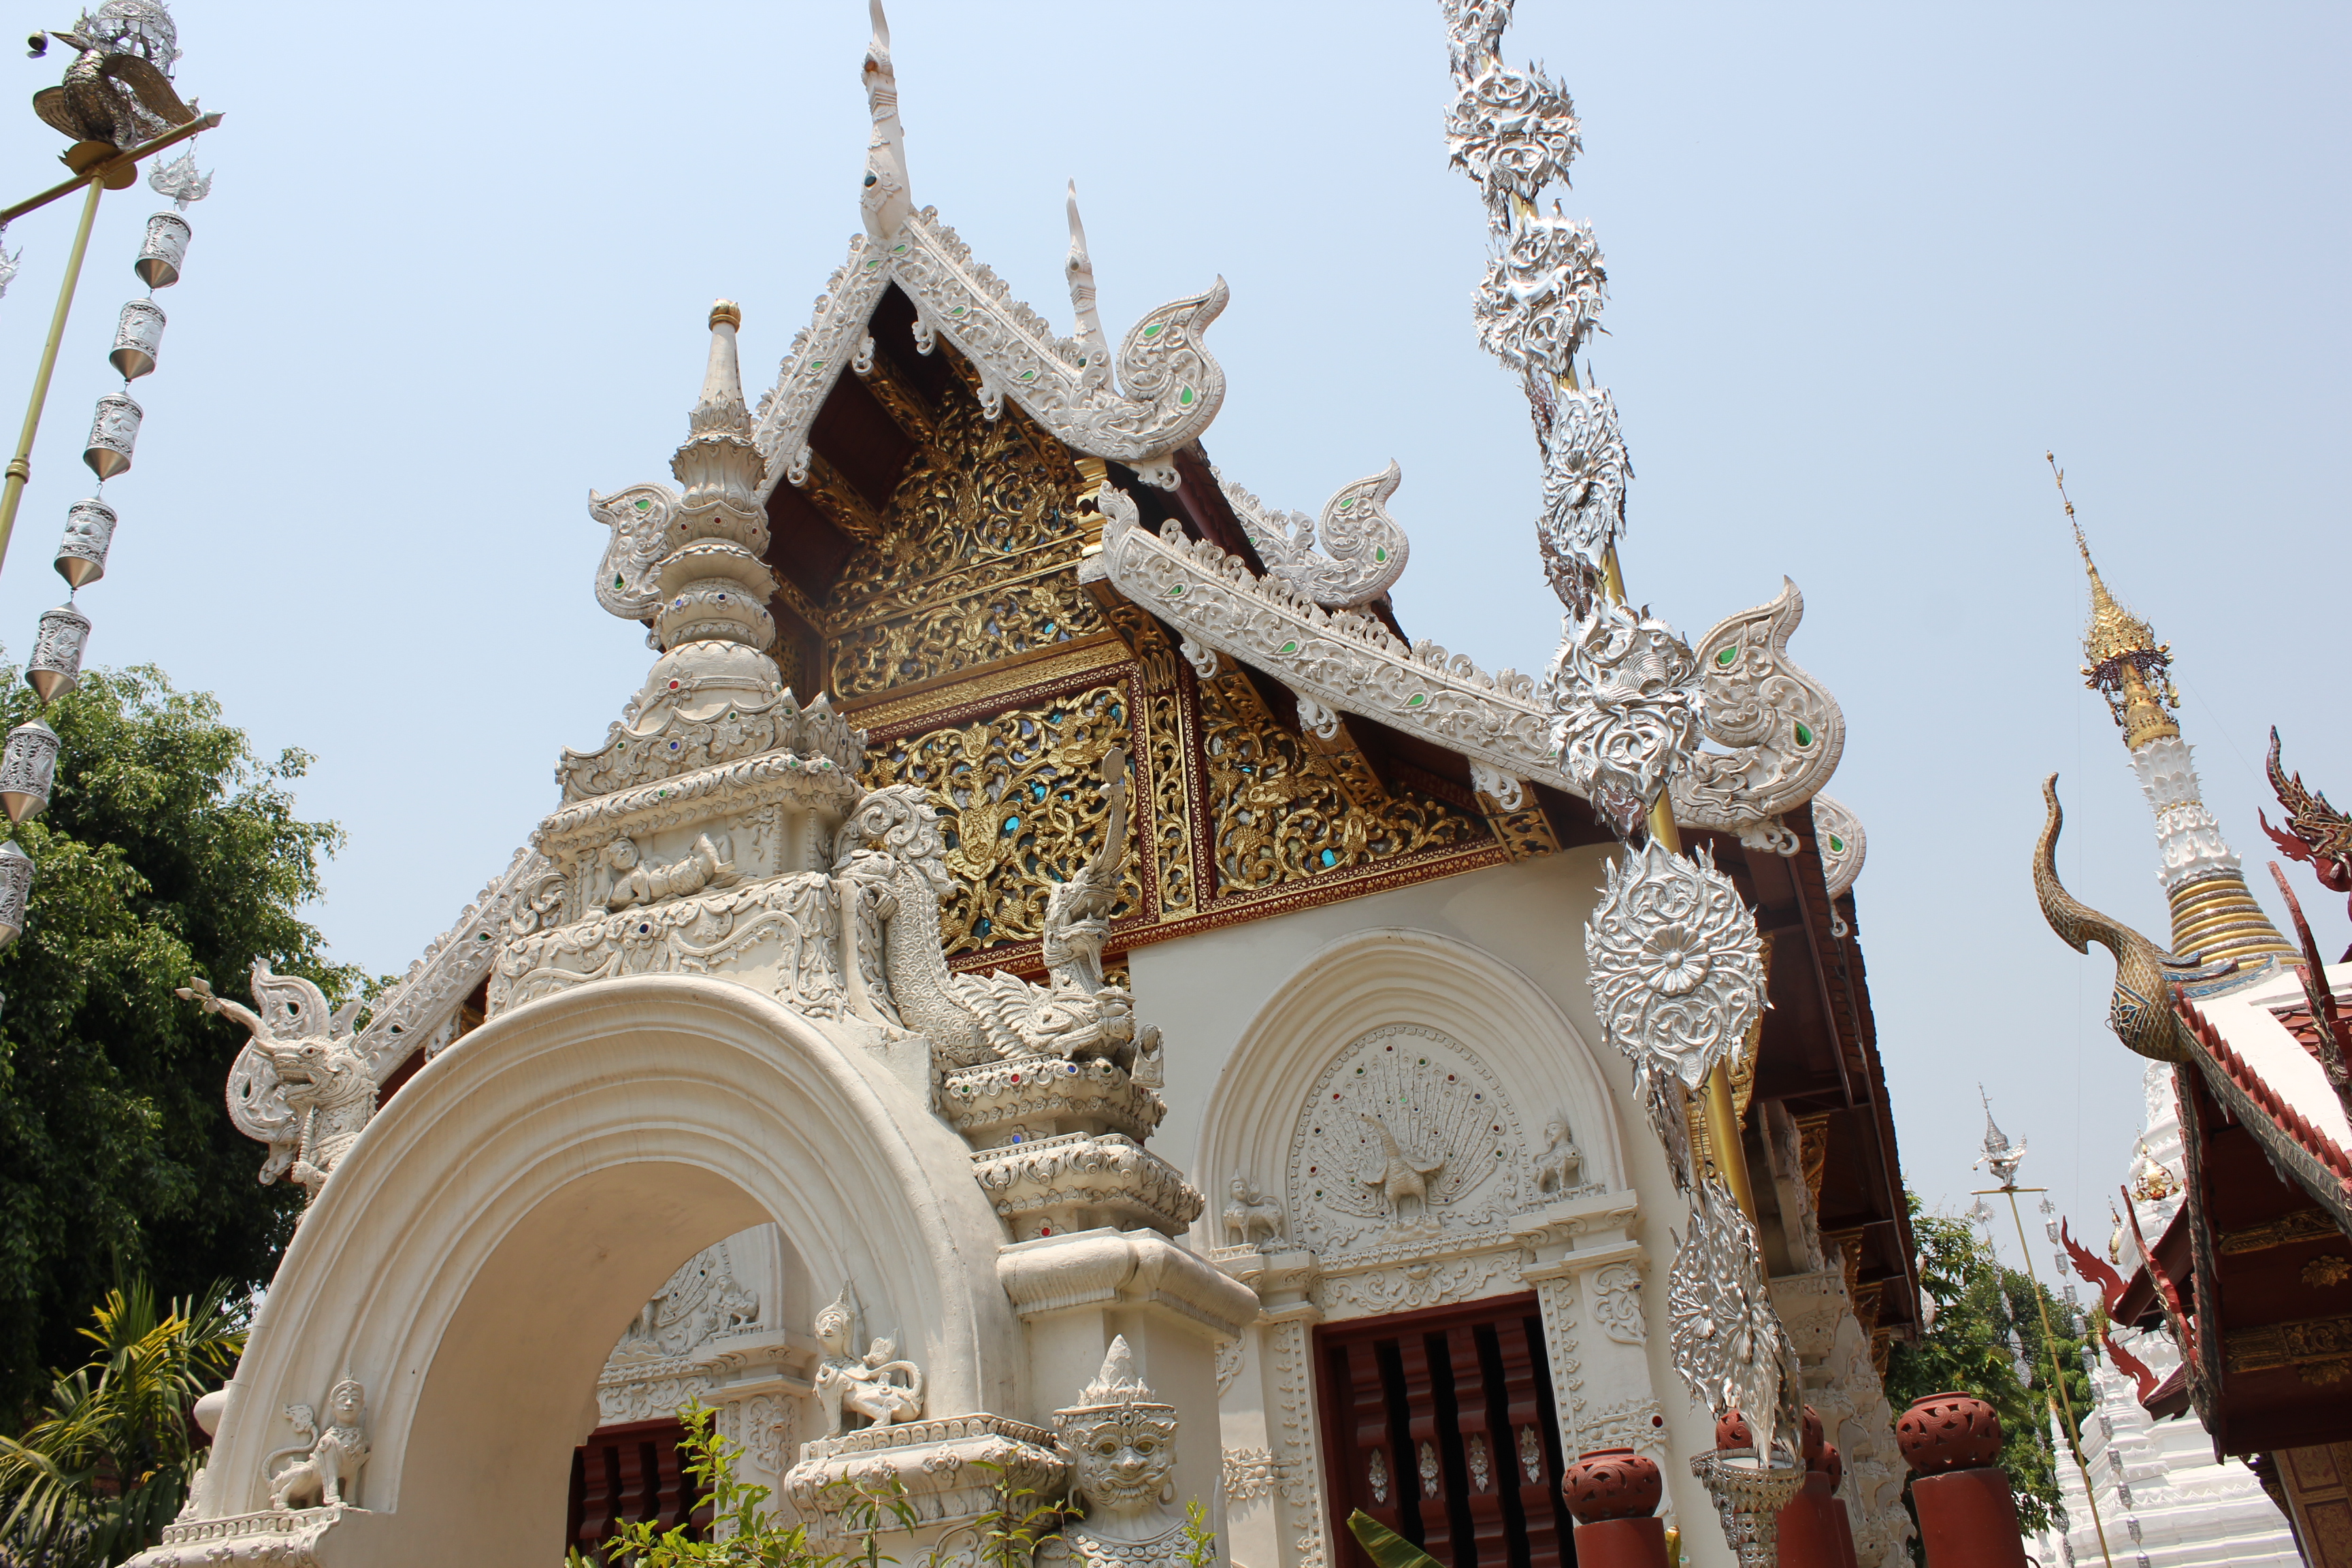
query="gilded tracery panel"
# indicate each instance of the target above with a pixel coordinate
(976, 559)
(1022, 804)
(1281, 819)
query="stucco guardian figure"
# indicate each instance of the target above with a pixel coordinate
(1119, 1442)
(850, 1386)
(321, 1478)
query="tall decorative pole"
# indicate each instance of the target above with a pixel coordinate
(118, 103)
(1676, 964)
(2002, 1158)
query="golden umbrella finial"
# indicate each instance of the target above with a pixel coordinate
(2123, 662)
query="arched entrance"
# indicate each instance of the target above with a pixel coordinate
(479, 1251)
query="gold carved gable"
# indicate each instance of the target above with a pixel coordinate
(975, 560)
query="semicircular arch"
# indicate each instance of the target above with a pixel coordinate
(1387, 976)
(483, 1245)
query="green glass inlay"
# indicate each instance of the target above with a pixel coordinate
(1346, 504)
(1417, 699)
(1184, 398)
(1177, 591)
(644, 506)
(1837, 845)
(1727, 656)
(617, 581)
(1804, 734)
(1291, 646)
(1381, 555)
(1153, 330)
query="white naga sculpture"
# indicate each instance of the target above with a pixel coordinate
(301, 1085)
(894, 859)
(332, 1464)
(1252, 1218)
(849, 1385)
(1119, 1442)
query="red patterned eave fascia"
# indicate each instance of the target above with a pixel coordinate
(2320, 1146)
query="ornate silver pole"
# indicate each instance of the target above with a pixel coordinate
(1676, 962)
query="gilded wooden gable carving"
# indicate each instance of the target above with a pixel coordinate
(976, 559)
(959, 637)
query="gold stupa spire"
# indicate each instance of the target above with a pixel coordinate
(2214, 915)
(2123, 660)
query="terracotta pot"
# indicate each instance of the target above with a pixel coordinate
(1613, 1483)
(1952, 1431)
(1814, 1440)
(1731, 1431)
(1831, 1464)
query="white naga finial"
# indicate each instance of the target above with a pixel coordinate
(1095, 365)
(884, 201)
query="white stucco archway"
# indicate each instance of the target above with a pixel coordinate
(484, 1244)
(1400, 975)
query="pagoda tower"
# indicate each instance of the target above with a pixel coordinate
(2214, 915)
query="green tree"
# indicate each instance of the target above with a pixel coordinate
(1985, 1310)
(168, 850)
(106, 1465)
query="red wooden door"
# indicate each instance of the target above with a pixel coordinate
(626, 1472)
(1441, 1426)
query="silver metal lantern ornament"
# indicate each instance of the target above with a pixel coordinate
(137, 336)
(81, 554)
(113, 432)
(28, 768)
(166, 248)
(15, 891)
(55, 668)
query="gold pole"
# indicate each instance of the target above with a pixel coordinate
(2058, 1375)
(20, 467)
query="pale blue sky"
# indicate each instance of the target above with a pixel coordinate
(1866, 263)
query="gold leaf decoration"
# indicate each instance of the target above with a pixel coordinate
(976, 560)
(1022, 804)
(1281, 819)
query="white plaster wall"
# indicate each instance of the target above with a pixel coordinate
(1205, 991)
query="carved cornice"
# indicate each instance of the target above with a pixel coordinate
(739, 786)
(1079, 1180)
(1101, 1267)
(996, 1096)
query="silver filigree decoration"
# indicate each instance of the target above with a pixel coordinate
(1541, 296)
(1585, 472)
(179, 181)
(1362, 548)
(1625, 701)
(1784, 729)
(1727, 1342)
(1677, 968)
(627, 583)
(8, 262)
(1839, 837)
(1513, 132)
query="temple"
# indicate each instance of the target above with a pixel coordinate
(1046, 952)
(2229, 1289)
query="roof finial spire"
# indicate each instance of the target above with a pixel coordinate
(1096, 364)
(2123, 662)
(885, 200)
